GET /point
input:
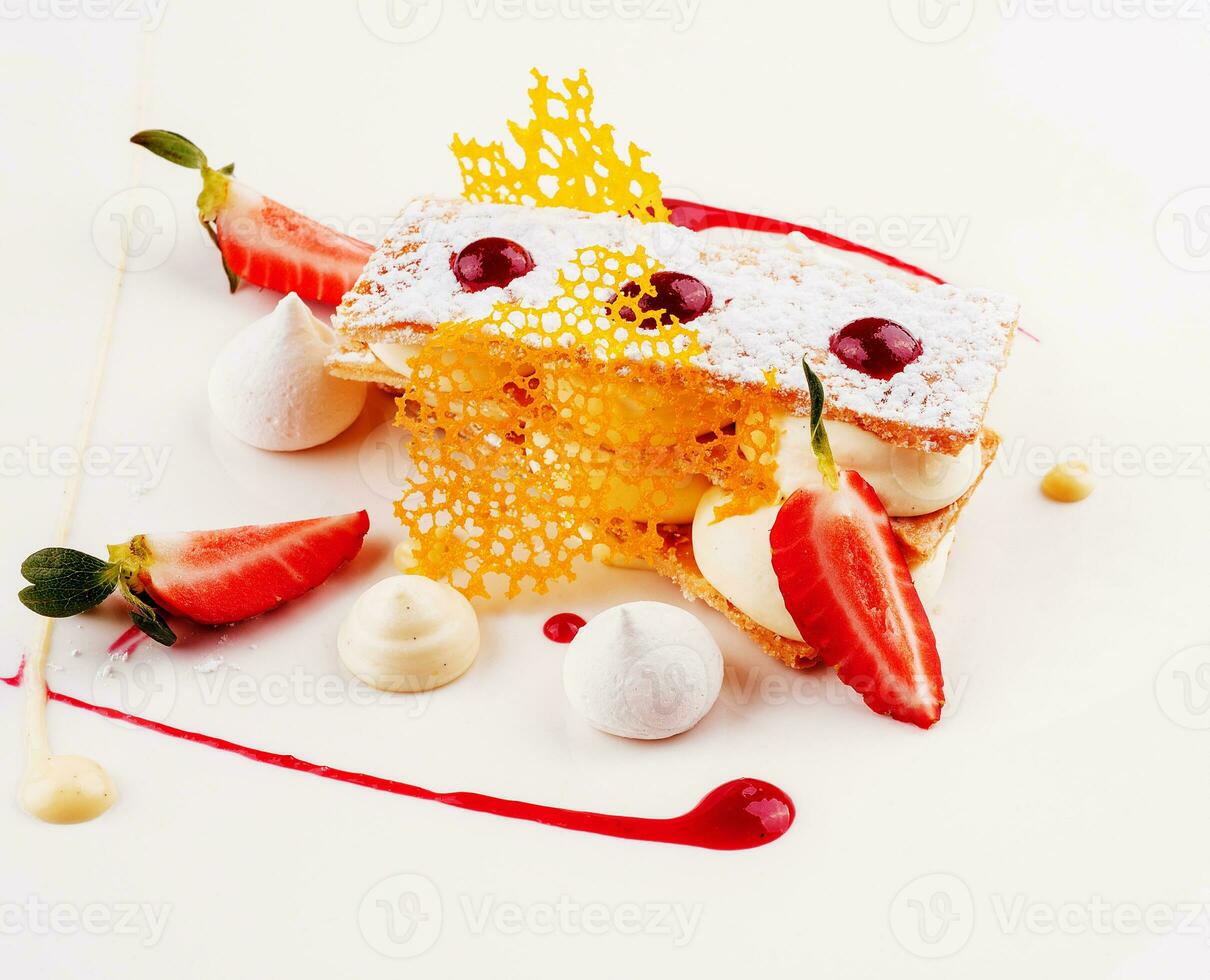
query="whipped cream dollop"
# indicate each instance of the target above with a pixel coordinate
(734, 555)
(409, 633)
(643, 670)
(269, 386)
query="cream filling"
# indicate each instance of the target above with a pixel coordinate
(398, 357)
(909, 482)
(734, 556)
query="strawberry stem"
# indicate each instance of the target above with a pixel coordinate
(65, 582)
(175, 148)
(819, 435)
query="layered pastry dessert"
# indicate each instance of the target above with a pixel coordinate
(585, 375)
(582, 383)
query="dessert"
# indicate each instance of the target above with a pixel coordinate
(643, 670)
(584, 374)
(601, 382)
(269, 387)
(409, 633)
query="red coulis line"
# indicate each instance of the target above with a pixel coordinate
(698, 217)
(128, 642)
(737, 815)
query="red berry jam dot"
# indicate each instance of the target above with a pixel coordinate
(676, 295)
(874, 346)
(490, 262)
(562, 627)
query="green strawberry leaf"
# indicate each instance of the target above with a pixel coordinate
(232, 278)
(65, 582)
(147, 616)
(173, 147)
(819, 435)
(50, 563)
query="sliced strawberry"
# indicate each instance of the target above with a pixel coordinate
(225, 576)
(849, 591)
(263, 241)
(272, 246)
(208, 576)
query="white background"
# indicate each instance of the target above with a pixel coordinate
(1057, 152)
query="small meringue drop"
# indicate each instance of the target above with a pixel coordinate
(643, 670)
(269, 387)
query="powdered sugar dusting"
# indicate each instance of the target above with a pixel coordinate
(773, 303)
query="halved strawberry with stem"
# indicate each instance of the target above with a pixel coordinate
(261, 240)
(849, 590)
(211, 577)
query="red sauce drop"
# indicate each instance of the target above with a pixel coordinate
(875, 346)
(562, 627)
(741, 814)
